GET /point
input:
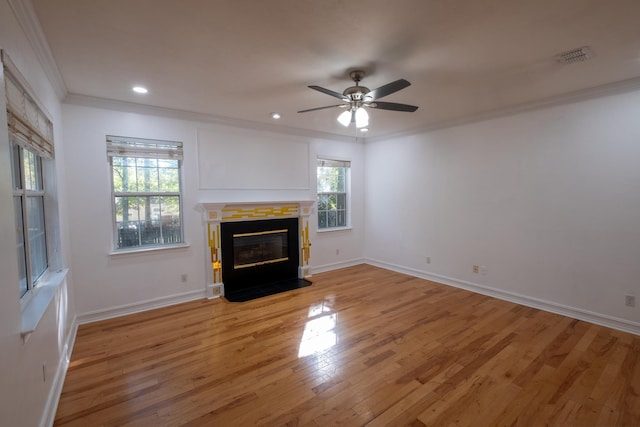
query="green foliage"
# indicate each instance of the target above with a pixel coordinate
(331, 179)
(332, 197)
(140, 175)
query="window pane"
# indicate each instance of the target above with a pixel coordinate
(22, 255)
(328, 179)
(333, 201)
(169, 176)
(128, 236)
(148, 175)
(341, 181)
(30, 163)
(129, 176)
(37, 237)
(323, 202)
(331, 219)
(148, 220)
(322, 219)
(15, 167)
(117, 174)
(170, 221)
(342, 218)
(342, 201)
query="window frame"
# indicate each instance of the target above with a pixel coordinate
(334, 163)
(24, 193)
(157, 151)
(30, 129)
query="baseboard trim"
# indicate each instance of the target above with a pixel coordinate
(123, 310)
(51, 406)
(337, 265)
(564, 310)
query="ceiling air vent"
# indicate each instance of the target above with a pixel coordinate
(574, 55)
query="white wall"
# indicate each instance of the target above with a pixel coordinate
(548, 201)
(106, 283)
(24, 394)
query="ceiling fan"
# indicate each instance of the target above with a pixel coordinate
(356, 97)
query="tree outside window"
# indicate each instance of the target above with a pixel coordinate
(332, 192)
(146, 190)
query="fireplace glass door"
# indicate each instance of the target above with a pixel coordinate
(260, 248)
(259, 252)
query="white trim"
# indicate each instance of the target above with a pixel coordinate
(131, 107)
(338, 265)
(28, 20)
(39, 299)
(601, 91)
(51, 406)
(333, 229)
(564, 310)
(148, 249)
(137, 307)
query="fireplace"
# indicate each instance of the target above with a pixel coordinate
(257, 249)
(259, 252)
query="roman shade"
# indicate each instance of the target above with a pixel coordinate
(120, 146)
(27, 122)
(333, 163)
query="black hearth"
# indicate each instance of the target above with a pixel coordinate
(260, 258)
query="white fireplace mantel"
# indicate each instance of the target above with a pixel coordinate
(215, 213)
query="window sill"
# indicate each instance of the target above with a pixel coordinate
(329, 230)
(34, 309)
(139, 250)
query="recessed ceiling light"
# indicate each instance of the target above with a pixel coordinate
(140, 89)
(275, 116)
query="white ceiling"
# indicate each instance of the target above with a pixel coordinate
(242, 59)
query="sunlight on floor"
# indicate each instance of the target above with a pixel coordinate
(320, 331)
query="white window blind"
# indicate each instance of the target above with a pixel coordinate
(328, 163)
(120, 146)
(27, 122)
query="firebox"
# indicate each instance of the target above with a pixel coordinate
(256, 253)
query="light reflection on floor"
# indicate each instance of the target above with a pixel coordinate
(320, 331)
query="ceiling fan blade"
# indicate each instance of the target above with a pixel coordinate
(393, 106)
(322, 108)
(329, 92)
(385, 90)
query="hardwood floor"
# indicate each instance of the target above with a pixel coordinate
(362, 346)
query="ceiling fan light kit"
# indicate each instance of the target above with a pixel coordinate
(357, 97)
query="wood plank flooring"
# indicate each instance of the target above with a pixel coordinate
(362, 346)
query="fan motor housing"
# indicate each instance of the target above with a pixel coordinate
(356, 93)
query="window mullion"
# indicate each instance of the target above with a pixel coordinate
(144, 194)
(25, 222)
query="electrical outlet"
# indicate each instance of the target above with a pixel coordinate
(476, 269)
(216, 290)
(483, 270)
(184, 278)
(428, 260)
(629, 300)
(337, 251)
(44, 372)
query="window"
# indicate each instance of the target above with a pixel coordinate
(28, 198)
(31, 144)
(333, 186)
(146, 191)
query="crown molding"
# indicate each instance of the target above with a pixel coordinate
(132, 107)
(26, 16)
(601, 91)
